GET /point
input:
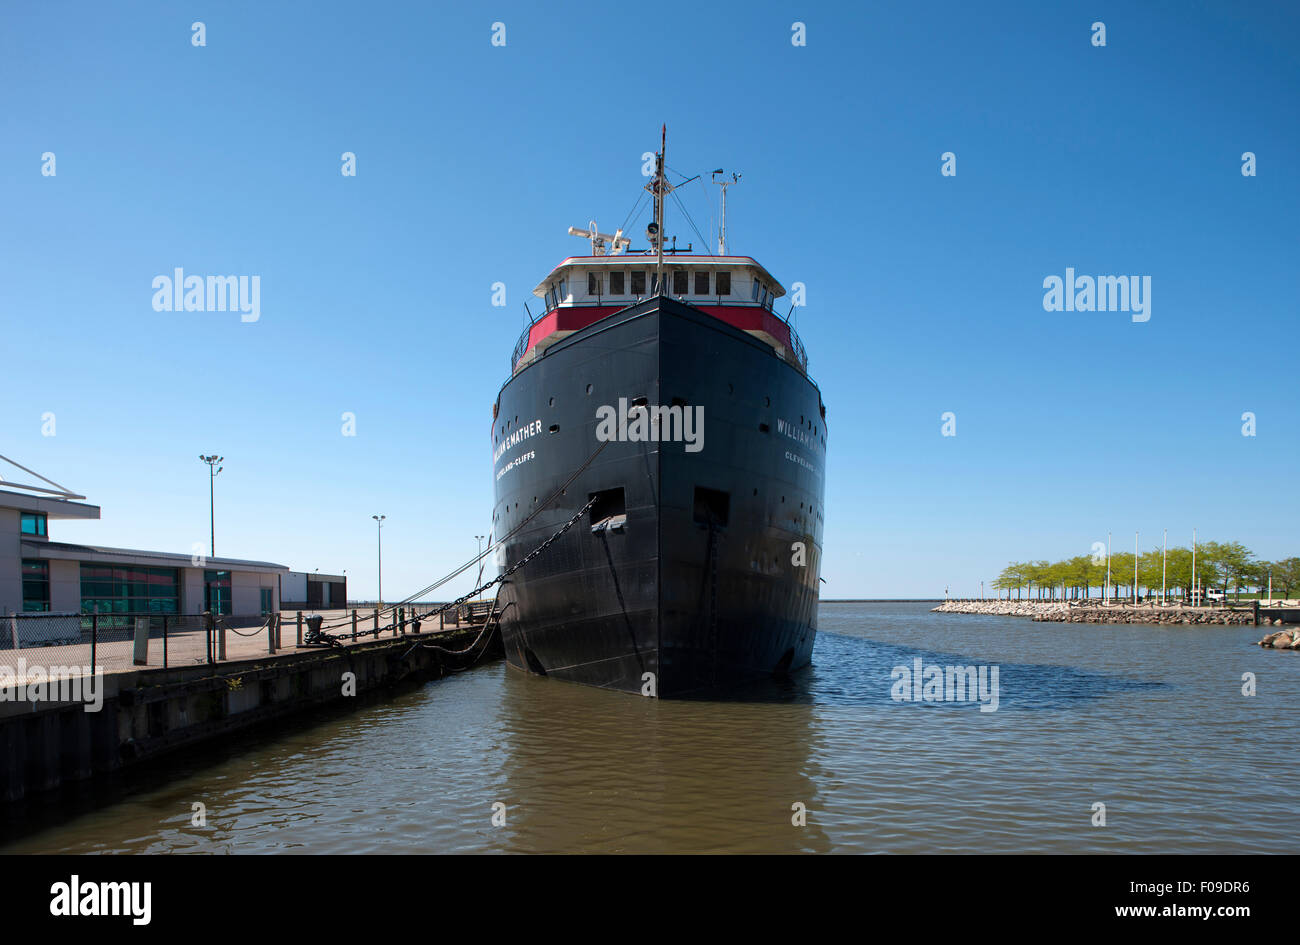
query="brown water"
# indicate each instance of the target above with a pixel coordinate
(1151, 722)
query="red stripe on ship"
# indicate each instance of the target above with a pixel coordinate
(744, 317)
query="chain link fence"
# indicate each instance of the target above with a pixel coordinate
(123, 641)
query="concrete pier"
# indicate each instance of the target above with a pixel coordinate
(1094, 611)
(149, 711)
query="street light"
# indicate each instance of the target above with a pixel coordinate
(379, 519)
(213, 470)
(479, 539)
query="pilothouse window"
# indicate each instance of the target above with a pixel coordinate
(593, 284)
(638, 282)
(616, 283)
(702, 283)
(724, 283)
(681, 282)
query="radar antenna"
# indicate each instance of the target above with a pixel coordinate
(615, 243)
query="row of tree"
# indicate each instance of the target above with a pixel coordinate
(1227, 566)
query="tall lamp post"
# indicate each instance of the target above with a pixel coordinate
(479, 539)
(213, 470)
(379, 519)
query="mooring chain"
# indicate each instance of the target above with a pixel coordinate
(517, 565)
(561, 490)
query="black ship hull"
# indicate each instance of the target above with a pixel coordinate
(698, 566)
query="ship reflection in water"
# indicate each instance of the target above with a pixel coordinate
(1149, 721)
(603, 772)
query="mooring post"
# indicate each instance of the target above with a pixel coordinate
(221, 642)
(1257, 611)
(354, 626)
(442, 620)
(376, 623)
(208, 628)
(300, 628)
(94, 639)
(270, 634)
(164, 641)
(401, 620)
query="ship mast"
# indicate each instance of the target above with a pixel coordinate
(659, 188)
(722, 222)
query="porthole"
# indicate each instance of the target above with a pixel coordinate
(588, 388)
(555, 428)
(552, 403)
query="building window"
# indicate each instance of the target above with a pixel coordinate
(33, 523)
(724, 283)
(36, 585)
(593, 284)
(702, 283)
(681, 282)
(616, 283)
(638, 282)
(216, 592)
(124, 589)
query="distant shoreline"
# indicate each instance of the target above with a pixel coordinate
(881, 600)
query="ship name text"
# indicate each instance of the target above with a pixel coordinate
(798, 433)
(514, 439)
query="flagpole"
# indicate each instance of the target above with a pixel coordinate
(1107, 567)
(1164, 567)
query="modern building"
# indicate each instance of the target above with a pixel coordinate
(37, 574)
(311, 590)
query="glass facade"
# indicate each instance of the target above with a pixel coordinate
(216, 592)
(127, 589)
(36, 585)
(33, 523)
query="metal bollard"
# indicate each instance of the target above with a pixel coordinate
(94, 639)
(300, 628)
(164, 641)
(354, 626)
(270, 635)
(376, 623)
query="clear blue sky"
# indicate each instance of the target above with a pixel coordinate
(924, 292)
